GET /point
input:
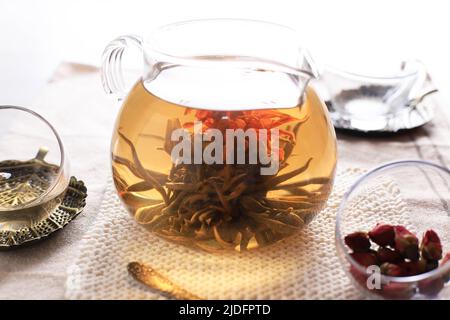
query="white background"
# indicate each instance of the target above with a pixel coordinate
(37, 35)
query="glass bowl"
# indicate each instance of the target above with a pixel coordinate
(34, 171)
(415, 194)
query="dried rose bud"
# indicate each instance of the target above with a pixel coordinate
(431, 265)
(392, 270)
(358, 241)
(365, 259)
(412, 268)
(388, 255)
(406, 243)
(431, 287)
(395, 290)
(383, 235)
(431, 247)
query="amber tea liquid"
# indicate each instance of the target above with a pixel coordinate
(222, 206)
(21, 183)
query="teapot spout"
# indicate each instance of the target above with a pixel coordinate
(306, 65)
(307, 70)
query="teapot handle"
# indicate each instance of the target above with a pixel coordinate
(112, 75)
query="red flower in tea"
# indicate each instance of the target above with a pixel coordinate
(253, 119)
(383, 235)
(431, 247)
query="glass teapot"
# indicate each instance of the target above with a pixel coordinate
(221, 144)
